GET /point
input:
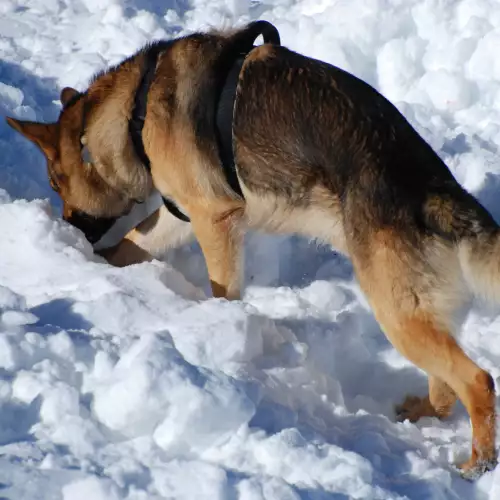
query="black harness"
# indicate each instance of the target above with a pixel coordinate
(223, 115)
(136, 122)
(223, 125)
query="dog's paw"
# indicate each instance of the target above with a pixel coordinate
(474, 469)
(414, 408)
(124, 254)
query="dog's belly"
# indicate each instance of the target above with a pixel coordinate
(321, 219)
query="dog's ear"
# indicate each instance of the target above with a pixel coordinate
(67, 94)
(44, 135)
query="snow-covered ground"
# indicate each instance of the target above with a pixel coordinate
(130, 383)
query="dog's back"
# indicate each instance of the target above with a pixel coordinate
(312, 129)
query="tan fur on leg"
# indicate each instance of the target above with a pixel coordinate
(221, 242)
(439, 403)
(150, 239)
(435, 351)
(405, 305)
(124, 254)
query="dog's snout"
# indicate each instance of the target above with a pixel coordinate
(94, 228)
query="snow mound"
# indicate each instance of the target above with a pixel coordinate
(131, 383)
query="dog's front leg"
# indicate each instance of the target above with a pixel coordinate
(220, 238)
(148, 240)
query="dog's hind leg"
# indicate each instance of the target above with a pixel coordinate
(412, 298)
(439, 403)
(436, 352)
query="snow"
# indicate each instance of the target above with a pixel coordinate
(133, 384)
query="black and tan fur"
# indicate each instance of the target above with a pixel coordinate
(319, 153)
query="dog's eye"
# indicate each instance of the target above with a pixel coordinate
(53, 185)
(86, 158)
(53, 178)
(84, 150)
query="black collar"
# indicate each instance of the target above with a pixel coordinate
(136, 122)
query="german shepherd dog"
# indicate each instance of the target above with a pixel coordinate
(316, 152)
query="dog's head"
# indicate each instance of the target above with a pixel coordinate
(90, 202)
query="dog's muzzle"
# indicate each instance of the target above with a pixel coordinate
(94, 228)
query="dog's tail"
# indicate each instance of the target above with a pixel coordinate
(476, 235)
(480, 262)
(245, 38)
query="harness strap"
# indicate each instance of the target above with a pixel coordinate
(223, 112)
(224, 125)
(136, 122)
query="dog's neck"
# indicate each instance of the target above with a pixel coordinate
(138, 117)
(124, 160)
(139, 109)
(109, 102)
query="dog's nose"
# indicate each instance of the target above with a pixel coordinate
(94, 228)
